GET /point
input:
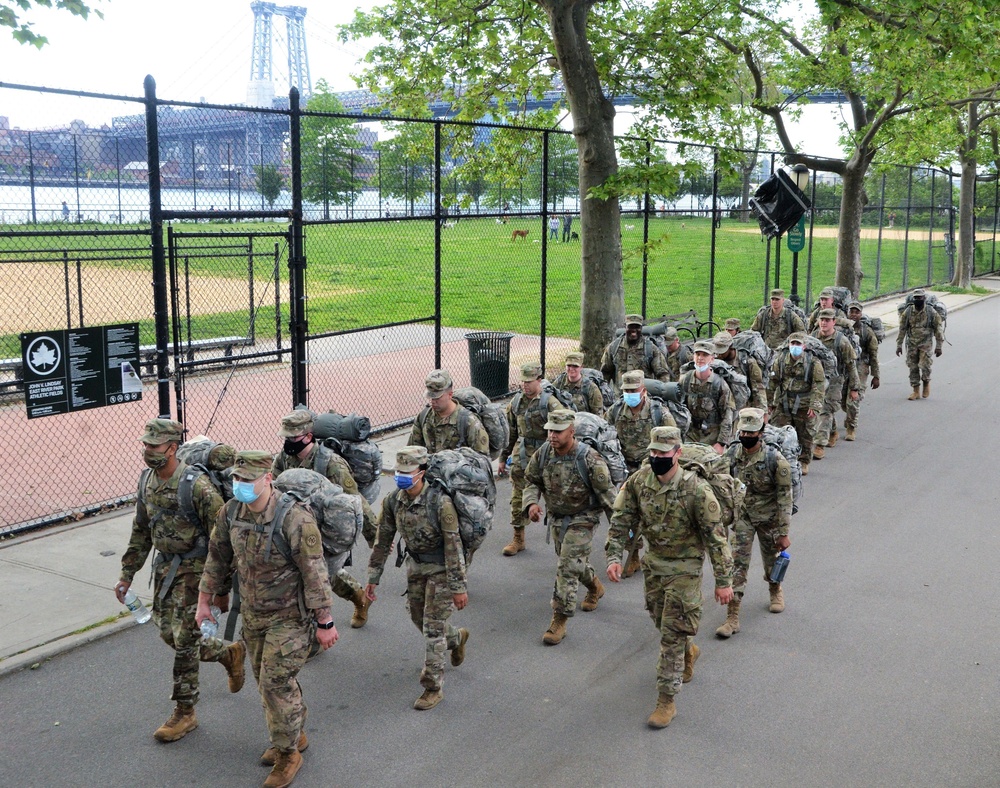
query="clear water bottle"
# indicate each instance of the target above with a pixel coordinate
(780, 566)
(209, 628)
(138, 610)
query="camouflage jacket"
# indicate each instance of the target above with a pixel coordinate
(775, 330)
(678, 359)
(712, 408)
(433, 544)
(768, 478)
(841, 320)
(869, 348)
(847, 365)
(621, 357)
(796, 382)
(272, 587)
(747, 365)
(527, 425)
(634, 428)
(587, 395)
(569, 498)
(920, 330)
(436, 434)
(680, 521)
(159, 524)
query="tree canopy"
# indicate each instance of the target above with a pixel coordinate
(22, 32)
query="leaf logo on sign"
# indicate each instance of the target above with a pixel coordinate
(43, 356)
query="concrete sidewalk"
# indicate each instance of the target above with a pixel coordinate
(56, 584)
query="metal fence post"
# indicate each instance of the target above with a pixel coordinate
(996, 207)
(298, 325)
(930, 232)
(31, 180)
(906, 230)
(645, 235)
(545, 244)
(809, 256)
(76, 180)
(878, 247)
(951, 226)
(437, 245)
(715, 201)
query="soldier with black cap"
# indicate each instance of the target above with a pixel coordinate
(301, 450)
(826, 432)
(920, 328)
(586, 393)
(776, 322)
(795, 393)
(179, 535)
(709, 399)
(286, 598)
(631, 351)
(445, 423)
(867, 365)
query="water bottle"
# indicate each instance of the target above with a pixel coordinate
(209, 628)
(136, 608)
(780, 566)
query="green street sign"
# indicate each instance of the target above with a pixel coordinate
(797, 236)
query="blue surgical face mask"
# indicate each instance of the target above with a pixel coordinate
(703, 368)
(404, 481)
(795, 350)
(244, 491)
(632, 398)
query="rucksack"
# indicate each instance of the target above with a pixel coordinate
(786, 440)
(932, 301)
(875, 324)
(714, 468)
(351, 427)
(548, 390)
(203, 456)
(751, 344)
(736, 381)
(466, 476)
(491, 415)
(342, 434)
(841, 298)
(650, 341)
(668, 392)
(595, 377)
(601, 436)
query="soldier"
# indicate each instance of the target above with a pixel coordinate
(631, 351)
(435, 566)
(709, 399)
(867, 364)
(765, 513)
(777, 322)
(681, 518)
(445, 423)
(181, 541)
(300, 450)
(285, 596)
(846, 380)
(745, 365)
(574, 502)
(732, 326)
(795, 393)
(677, 354)
(826, 301)
(920, 327)
(587, 395)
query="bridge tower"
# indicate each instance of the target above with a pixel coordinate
(260, 91)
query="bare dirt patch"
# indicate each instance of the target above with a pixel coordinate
(867, 233)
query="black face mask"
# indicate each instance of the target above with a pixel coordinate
(294, 445)
(661, 465)
(749, 441)
(918, 304)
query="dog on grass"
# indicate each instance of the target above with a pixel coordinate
(449, 224)
(574, 235)
(519, 234)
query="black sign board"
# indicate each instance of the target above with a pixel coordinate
(81, 368)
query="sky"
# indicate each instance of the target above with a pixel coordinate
(200, 50)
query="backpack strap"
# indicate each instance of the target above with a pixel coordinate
(648, 352)
(322, 462)
(463, 426)
(656, 411)
(276, 531)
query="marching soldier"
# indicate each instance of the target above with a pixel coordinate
(920, 327)
(445, 423)
(867, 365)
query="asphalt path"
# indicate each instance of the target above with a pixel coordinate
(881, 671)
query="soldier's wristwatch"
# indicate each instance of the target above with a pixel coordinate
(327, 625)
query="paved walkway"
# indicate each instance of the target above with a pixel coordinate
(55, 584)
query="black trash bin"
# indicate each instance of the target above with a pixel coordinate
(489, 361)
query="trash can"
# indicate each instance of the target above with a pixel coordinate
(489, 361)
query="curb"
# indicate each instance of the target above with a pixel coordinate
(38, 655)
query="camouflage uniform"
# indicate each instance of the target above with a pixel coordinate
(746, 365)
(923, 334)
(712, 408)
(680, 520)
(573, 511)
(797, 385)
(634, 428)
(867, 365)
(527, 432)
(841, 320)
(621, 357)
(678, 359)
(279, 597)
(435, 569)
(776, 329)
(158, 525)
(587, 395)
(437, 434)
(846, 380)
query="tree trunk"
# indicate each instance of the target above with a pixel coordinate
(602, 289)
(852, 204)
(966, 262)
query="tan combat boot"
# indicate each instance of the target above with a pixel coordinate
(270, 755)
(834, 437)
(232, 661)
(927, 389)
(361, 605)
(691, 654)
(428, 700)
(180, 724)
(915, 394)
(664, 713)
(633, 565)
(804, 466)
(458, 652)
(286, 766)
(777, 598)
(516, 544)
(819, 452)
(732, 625)
(851, 434)
(557, 630)
(595, 592)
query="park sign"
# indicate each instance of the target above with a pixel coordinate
(796, 236)
(78, 369)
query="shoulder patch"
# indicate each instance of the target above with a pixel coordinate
(713, 507)
(784, 472)
(312, 540)
(449, 517)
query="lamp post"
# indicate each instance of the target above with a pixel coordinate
(796, 237)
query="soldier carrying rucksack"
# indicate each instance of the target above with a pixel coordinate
(633, 350)
(587, 393)
(921, 326)
(870, 334)
(778, 321)
(842, 345)
(795, 392)
(746, 364)
(444, 423)
(709, 399)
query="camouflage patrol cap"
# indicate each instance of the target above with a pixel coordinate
(670, 334)
(664, 438)
(826, 292)
(855, 305)
(632, 381)
(634, 320)
(733, 323)
(722, 342)
(251, 465)
(751, 420)
(531, 371)
(574, 359)
(296, 423)
(411, 458)
(560, 420)
(827, 314)
(437, 383)
(777, 293)
(159, 431)
(704, 346)
(919, 293)
(798, 337)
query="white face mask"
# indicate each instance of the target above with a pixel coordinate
(795, 350)
(704, 368)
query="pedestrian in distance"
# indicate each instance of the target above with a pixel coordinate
(554, 228)
(567, 227)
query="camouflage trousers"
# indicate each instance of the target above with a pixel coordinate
(852, 407)
(707, 435)
(429, 599)
(344, 585)
(803, 429)
(741, 542)
(277, 652)
(674, 604)
(517, 518)
(174, 615)
(919, 359)
(574, 567)
(826, 422)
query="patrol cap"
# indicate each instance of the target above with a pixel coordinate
(704, 346)
(827, 313)
(919, 293)
(574, 359)
(437, 382)
(296, 423)
(251, 465)
(777, 293)
(634, 320)
(855, 305)
(797, 336)
(560, 420)
(722, 342)
(733, 323)
(826, 292)
(221, 457)
(410, 458)
(751, 420)
(632, 381)
(531, 371)
(670, 334)
(664, 438)
(159, 431)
